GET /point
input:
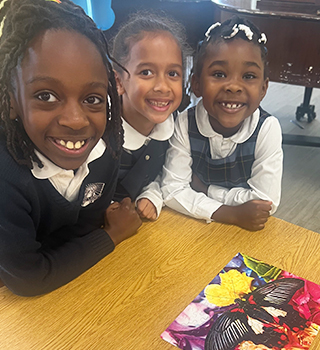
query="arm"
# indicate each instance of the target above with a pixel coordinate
(177, 177)
(266, 174)
(33, 262)
(149, 202)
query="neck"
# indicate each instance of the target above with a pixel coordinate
(137, 121)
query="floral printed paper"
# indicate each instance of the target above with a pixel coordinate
(249, 305)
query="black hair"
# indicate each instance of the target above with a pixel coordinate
(138, 25)
(223, 32)
(22, 21)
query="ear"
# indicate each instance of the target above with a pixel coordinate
(264, 88)
(120, 88)
(13, 107)
(195, 85)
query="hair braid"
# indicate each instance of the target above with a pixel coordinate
(22, 21)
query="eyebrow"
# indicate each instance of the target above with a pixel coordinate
(50, 79)
(223, 63)
(141, 65)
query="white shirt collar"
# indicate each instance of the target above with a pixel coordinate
(247, 128)
(133, 140)
(50, 169)
(65, 181)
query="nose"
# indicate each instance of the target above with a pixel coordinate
(234, 85)
(161, 85)
(74, 116)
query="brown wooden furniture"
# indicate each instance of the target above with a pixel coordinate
(129, 298)
(311, 7)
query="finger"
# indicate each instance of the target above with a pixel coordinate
(147, 213)
(127, 203)
(152, 215)
(142, 205)
(113, 206)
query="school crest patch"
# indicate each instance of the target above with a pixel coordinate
(92, 193)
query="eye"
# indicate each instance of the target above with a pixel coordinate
(46, 97)
(219, 75)
(174, 74)
(146, 72)
(249, 76)
(93, 100)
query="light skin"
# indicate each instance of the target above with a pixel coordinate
(60, 96)
(232, 85)
(152, 90)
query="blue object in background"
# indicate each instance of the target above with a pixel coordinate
(99, 10)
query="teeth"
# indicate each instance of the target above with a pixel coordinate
(158, 104)
(231, 105)
(77, 145)
(71, 145)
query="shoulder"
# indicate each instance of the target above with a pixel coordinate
(269, 136)
(10, 169)
(270, 124)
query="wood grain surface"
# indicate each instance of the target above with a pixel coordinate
(130, 297)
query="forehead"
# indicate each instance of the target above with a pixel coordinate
(156, 46)
(234, 50)
(57, 52)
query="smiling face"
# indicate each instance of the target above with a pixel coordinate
(60, 96)
(231, 84)
(154, 88)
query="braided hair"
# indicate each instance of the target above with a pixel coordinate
(233, 28)
(21, 21)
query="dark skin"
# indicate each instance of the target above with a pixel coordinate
(121, 220)
(232, 74)
(251, 215)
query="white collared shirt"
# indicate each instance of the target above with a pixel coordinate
(133, 140)
(266, 173)
(65, 181)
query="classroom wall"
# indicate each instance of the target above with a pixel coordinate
(195, 16)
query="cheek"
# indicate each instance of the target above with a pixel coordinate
(101, 124)
(34, 123)
(178, 94)
(136, 87)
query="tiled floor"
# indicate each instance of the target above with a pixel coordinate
(301, 177)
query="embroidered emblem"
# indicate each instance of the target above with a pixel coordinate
(92, 193)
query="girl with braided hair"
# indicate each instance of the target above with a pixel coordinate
(60, 143)
(225, 159)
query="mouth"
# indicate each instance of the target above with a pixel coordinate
(234, 106)
(159, 105)
(70, 145)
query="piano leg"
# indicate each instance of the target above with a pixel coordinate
(305, 107)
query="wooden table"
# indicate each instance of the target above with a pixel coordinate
(129, 298)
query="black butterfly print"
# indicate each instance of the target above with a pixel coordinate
(258, 317)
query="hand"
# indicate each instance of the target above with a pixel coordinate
(198, 185)
(146, 209)
(121, 220)
(251, 215)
